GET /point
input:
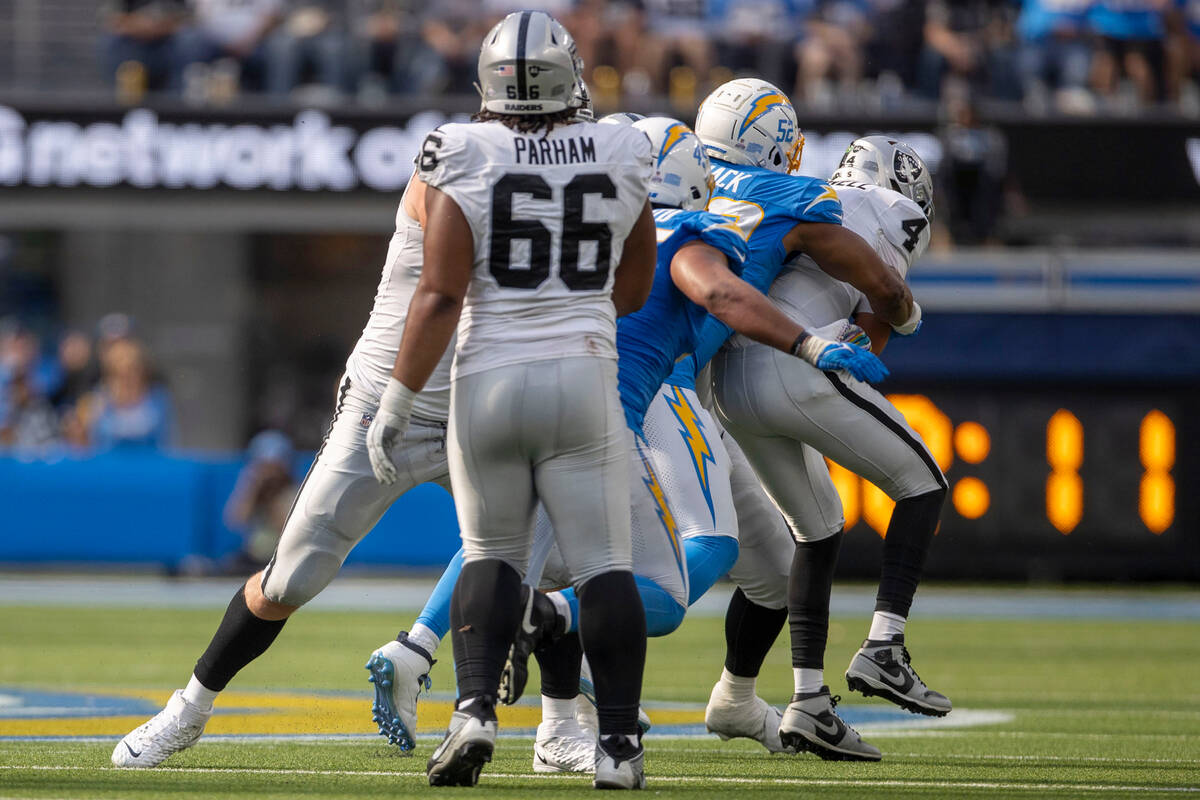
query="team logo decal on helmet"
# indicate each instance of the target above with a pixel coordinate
(880, 160)
(674, 135)
(907, 168)
(750, 121)
(760, 106)
(682, 174)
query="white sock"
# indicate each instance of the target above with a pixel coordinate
(423, 636)
(739, 689)
(562, 607)
(885, 625)
(555, 709)
(199, 695)
(808, 680)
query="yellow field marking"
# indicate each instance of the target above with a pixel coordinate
(289, 713)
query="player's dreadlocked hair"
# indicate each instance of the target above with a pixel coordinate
(527, 123)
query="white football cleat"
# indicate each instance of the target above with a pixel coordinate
(177, 727)
(619, 764)
(399, 670)
(469, 743)
(758, 720)
(563, 746)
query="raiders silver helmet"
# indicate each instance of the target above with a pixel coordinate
(528, 65)
(890, 163)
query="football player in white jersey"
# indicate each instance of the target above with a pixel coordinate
(339, 503)
(538, 236)
(785, 418)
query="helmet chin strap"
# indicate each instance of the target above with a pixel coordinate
(794, 154)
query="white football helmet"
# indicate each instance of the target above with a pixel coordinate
(621, 118)
(528, 65)
(749, 121)
(890, 163)
(682, 175)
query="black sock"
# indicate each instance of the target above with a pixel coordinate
(909, 535)
(750, 631)
(485, 611)
(612, 627)
(559, 662)
(240, 638)
(809, 585)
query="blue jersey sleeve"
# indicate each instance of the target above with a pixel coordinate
(814, 201)
(712, 335)
(713, 230)
(724, 235)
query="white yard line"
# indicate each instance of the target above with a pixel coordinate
(889, 756)
(660, 780)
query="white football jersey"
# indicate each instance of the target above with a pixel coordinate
(370, 364)
(892, 224)
(549, 214)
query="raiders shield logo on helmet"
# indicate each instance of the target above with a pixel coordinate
(907, 168)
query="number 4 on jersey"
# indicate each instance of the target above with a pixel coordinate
(913, 228)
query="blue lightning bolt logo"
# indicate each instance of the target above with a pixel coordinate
(650, 480)
(692, 431)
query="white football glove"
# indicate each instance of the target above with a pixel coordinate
(913, 324)
(388, 428)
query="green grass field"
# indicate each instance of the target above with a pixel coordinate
(1096, 708)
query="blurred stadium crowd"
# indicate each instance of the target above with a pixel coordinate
(87, 394)
(75, 395)
(1078, 56)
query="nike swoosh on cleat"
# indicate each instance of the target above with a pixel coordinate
(891, 671)
(132, 752)
(526, 621)
(830, 732)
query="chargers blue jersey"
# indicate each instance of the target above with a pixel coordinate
(652, 339)
(765, 206)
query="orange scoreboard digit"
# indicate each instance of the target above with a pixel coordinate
(1025, 465)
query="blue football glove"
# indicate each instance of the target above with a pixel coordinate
(843, 331)
(826, 355)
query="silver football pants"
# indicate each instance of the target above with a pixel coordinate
(787, 414)
(340, 500)
(551, 431)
